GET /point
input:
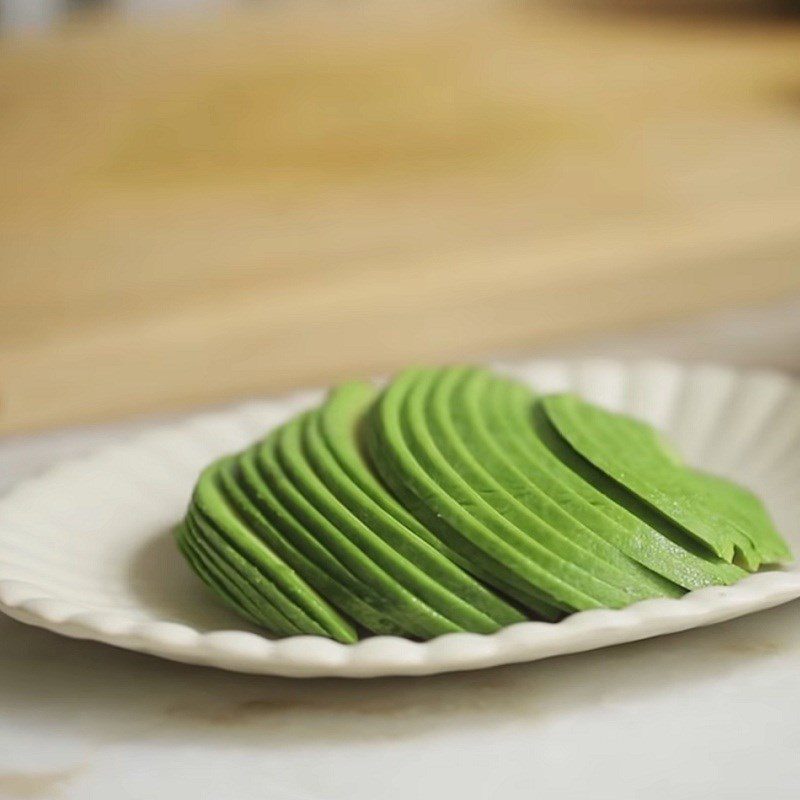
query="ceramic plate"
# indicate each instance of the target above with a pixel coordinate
(85, 549)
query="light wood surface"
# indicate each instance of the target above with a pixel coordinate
(239, 205)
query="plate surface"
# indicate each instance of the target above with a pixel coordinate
(85, 549)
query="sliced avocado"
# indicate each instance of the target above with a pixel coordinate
(330, 438)
(440, 484)
(479, 551)
(434, 505)
(283, 587)
(243, 583)
(274, 495)
(749, 514)
(631, 453)
(240, 605)
(548, 536)
(526, 497)
(531, 441)
(394, 584)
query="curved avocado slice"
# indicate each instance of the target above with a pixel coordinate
(446, 492)
(584, 561)
(225, 530)
(587, 494)
(518, 494)
(632, 453)
(480, 552)
(445, 587)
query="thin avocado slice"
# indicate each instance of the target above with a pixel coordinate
(562, 553)
(481, 552)
(446, 492)
(422, 569)
(351, 479)
(529, 438)
(395, 583)
(267, 487)
(632, 453)
(518, 493)
(295, 598)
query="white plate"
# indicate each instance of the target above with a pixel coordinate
(85, 549)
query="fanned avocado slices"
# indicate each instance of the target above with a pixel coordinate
(634, 455)
(406, 456)
(364, 563)
(445, 479)
(530, 440)
(386, 581)
(457, 500)
(213, 520)
(333, 447)
(517, 494)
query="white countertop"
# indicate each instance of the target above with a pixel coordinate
(710, 713)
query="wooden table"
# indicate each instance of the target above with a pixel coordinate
(242, 204)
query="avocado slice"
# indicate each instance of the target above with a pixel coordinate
(434, 578)
(633, 454)
(529, 439)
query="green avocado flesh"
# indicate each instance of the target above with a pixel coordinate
(456, 500)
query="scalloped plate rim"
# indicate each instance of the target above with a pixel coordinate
(313, 656)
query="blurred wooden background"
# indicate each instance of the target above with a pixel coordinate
(242, 203)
